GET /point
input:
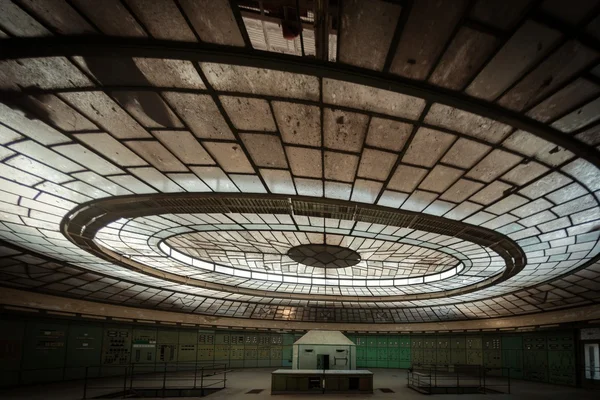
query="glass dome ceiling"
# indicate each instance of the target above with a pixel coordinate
(176, 174)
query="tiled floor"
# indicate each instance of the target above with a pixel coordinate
(239, 382)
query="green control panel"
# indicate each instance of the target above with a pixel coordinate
(36, 351)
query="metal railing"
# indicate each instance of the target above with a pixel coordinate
(158, 379)
(458, 379)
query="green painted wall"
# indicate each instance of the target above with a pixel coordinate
(34, 350)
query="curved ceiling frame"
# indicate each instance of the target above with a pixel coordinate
(82, 223)
(18, 48)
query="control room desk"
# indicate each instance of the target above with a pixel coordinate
(321, 381)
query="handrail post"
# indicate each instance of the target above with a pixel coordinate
(125, 380)
(508, 380)
(225, 377)
(132, 375)
(164, 378)
(484, 388)
(85, 383)
(430, 378)
(195, 374)
(202, 382)
(457, 380)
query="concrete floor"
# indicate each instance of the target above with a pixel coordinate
(241, 381)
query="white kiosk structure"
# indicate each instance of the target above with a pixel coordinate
(323, 362)
(324, 350)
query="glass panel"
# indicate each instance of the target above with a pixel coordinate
(592, 361)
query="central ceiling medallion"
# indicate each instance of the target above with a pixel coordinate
(324, 256)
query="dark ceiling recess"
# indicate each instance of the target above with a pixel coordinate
(324, 256)
(295, 17)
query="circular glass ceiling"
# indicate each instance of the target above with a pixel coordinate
(306, 253)
(189, 176)
(248, 253)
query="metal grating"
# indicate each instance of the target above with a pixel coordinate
(185, 204)
(435, 226)
(384, 217)
(324, 210)
(254, 205)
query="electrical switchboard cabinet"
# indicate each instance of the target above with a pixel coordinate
(44, 351)
(223, 347)
(264, 340)
(372, 357)
(251, 340)
(492, 354)
(417, 351)
(64, 349)
(143, 346)
(222, 338)
(206, 352)
(382, 357)
(372, 341)
(393, 355)
(237, 339)
(236, 352)
(361, 357)
(404, 341)
(116, 348)
(474, 353)
(535, 358)
(250, 357)
(474, 357)
(167, 346)
(492, 343)
(361, 341)
(492, 358)
(394, 361)
(458, 354)
(474, 342)
(206, 338)
(276, 356)
(84, 349)
(288, 339)
(512, 356)
(263, 357)
(561, 358)
(286, 356)
(458, 342)
(11, 351)
(429, 350)
(236, 356)
(535, 365)
(222, 353)
(404, 354)
(276, 340)
(187, 346)
(382, 341)
(443, 356)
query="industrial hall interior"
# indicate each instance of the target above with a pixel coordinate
(256, 199)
